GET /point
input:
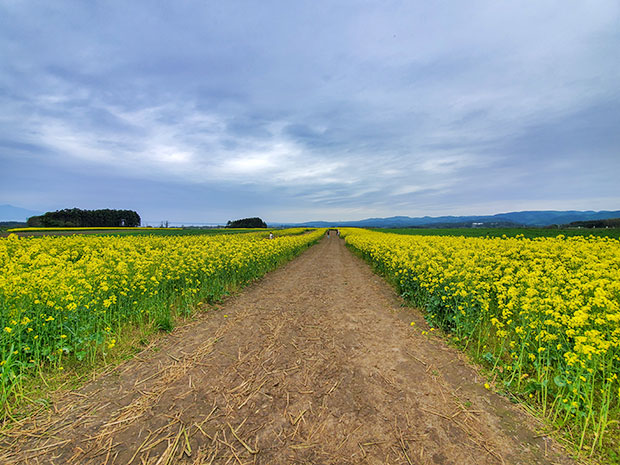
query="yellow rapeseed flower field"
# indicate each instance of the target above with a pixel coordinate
(543, 314)
(68, 296)
(92, 228)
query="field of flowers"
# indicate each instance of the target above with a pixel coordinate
(543, 314)
(65, 298)
(102, 228)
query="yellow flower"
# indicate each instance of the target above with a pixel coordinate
(8, 329)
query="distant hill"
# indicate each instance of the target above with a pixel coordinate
(525, 218)
(12, 213)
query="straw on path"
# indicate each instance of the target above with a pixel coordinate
(314, 363)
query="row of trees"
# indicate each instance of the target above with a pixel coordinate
(77, 218)
(247, 223)
(608, 223)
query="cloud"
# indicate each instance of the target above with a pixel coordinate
(373, 108)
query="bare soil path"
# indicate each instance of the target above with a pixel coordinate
(316, 363)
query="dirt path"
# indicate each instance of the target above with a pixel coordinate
(316, 363)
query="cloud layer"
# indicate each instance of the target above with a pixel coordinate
(201, 111)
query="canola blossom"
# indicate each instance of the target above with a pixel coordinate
(544, 313)
(66, 297)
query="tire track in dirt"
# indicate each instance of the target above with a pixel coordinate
(315, 363)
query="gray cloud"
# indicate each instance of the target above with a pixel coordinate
(203, 112)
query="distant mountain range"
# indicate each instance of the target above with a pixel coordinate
(525, 218)
(11, 213)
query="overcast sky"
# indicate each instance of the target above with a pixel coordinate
(204, 111)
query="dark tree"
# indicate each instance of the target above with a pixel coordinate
(247, 223)
(74, 217)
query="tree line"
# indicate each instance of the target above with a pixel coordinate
(77, 218)
(607, 223)
(247, 223)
